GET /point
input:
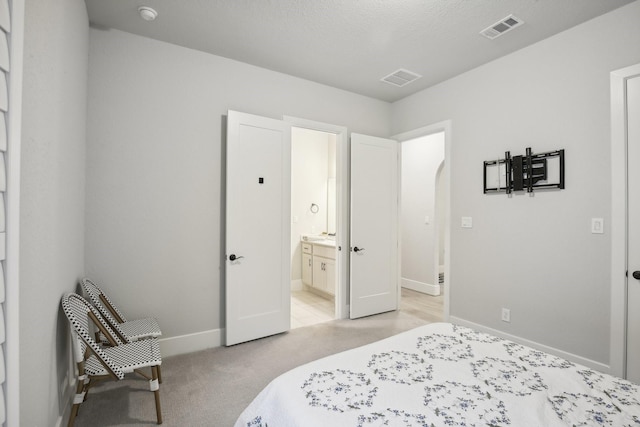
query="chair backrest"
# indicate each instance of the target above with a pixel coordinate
(78, 310)
(100, 300)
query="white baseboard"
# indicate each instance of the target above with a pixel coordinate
(551, 350)
(296, 285)
(67, 401)
(425, 288)
(191, 342)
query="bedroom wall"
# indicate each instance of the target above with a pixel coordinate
(56, 47)
(420, 161)
(155, 167)
(534, 255)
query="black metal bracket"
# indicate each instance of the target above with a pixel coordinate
(530, 172)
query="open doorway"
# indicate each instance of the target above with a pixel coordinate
(422, 223)
(314, 213)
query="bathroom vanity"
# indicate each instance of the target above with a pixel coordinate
(319, 264)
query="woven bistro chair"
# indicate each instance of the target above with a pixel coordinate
(128, 330)
(97, 362)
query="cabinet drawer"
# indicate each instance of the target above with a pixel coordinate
(324, 251)
(306, 248)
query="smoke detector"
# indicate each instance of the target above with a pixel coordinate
(503, 26)
(401, 77)
(147, 13)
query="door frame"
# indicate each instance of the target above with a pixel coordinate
(445, 127)
(342, 207)
(617, 349)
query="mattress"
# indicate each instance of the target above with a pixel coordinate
(444, 375)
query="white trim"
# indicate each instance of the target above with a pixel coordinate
(189, 343)
(446, 127)
(425, 288)
(66, 400)
(342, 219)
(617, 345)
(551, 350)
(14, 125)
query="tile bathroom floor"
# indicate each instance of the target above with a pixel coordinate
(308, 308)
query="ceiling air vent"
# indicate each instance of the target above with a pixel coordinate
(503, 26)
(400, 77)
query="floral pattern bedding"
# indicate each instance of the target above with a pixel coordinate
(444, 375)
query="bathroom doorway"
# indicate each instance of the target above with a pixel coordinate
(314, 219)
(422, 224)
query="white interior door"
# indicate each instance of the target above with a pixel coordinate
(258, 200)
(374, 225)
(633, 217)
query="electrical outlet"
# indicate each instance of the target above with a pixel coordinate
(506, 315)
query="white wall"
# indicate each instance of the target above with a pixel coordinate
(534, 255)
(56, 47)
(421, 158)
(309, 174)
(155, 167)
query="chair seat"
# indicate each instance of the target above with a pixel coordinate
(127, 357)
(141, 328)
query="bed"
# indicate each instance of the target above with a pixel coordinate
(444, 375)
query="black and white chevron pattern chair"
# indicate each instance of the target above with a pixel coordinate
(97, 362)
(128, 330)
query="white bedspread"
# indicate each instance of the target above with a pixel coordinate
(444, 375)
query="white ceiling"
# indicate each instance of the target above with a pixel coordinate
(351, 44)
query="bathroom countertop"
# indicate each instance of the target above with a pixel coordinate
(325, 242)
(320, 240)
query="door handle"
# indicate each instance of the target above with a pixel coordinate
(233, 257)
(636, 275)
(357, 249)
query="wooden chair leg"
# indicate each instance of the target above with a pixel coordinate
(156, 391)
(159, 375)
(74, 412)
(80, 391)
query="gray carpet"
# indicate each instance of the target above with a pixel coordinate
(212, 387)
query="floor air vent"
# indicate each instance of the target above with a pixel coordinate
(503, 26)
(400, 77)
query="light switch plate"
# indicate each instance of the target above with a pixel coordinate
(597, 225)
(467, 222)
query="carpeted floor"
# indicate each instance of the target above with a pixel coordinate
(212, 387)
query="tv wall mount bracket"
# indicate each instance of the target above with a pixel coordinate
(529, 172)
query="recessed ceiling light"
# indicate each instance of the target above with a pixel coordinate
(147, 13)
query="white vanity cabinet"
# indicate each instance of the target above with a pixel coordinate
(307, 264)
(319, 266)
